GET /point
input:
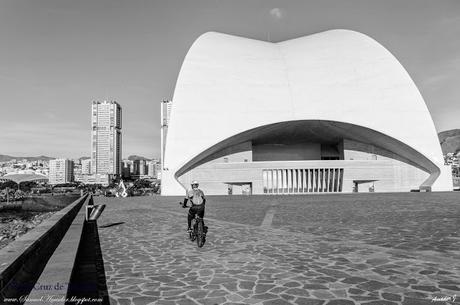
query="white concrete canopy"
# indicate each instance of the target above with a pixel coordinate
(229, 85)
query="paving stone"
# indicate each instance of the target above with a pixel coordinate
(165, 302)
(144, 300)
(165, 278)
(131, 281)
(340, 302)
(230, 286)
(377, 261)
(234, 298)
(186, 302)
(314, 286)
(425, 288)
(413, 301)
(415, 294)
(292, 284)
(245, 293)
(363, 298)
(356, 291)
(265, 296)
(123, 301)
(354, 280)
(152, 293)
(306, 301)
(217, 293)
(175, 292)
(372, 285)
(391, 296)
(449, 287)
(287, 296)
(212, 301)
(297, 292)
(340, 293)
(334, 273)
(322, 294)
(126, 295)
(216, 281)
(379, 302)
(263, 288)
(277, 290)
(449, 282)
(427, 272)
(246, 285)
(276, 302)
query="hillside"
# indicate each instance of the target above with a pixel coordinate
(6, 158)
(450, 141)
(135, 157)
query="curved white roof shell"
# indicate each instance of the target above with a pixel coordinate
(228, 85)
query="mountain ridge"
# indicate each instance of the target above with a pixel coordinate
(450, 141)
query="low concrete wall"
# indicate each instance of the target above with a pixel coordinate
(24, 259)
(55, 278)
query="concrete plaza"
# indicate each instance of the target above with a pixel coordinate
(319, 249)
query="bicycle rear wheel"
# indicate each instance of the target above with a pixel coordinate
(200, 233)
(192, 234)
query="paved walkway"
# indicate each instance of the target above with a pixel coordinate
(367, 249)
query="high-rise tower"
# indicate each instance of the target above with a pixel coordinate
(165, 113)
(106, 138)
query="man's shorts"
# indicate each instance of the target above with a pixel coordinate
(197, 209)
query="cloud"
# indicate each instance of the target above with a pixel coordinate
(276, 13)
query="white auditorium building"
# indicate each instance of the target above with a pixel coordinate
(325, 113)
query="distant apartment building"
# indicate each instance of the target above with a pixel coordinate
(86, 166)
(158, 169)
(106, 138)
(77, 175)
(102, 179)
(154, 169)
(140, 167)
(151, 169)
(127, 169)
(60, 171)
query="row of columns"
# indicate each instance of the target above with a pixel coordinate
(294, 181)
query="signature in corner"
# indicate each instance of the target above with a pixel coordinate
(444, 299)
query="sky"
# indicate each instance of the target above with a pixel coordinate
(57, 56)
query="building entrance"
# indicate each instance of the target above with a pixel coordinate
(239, 188)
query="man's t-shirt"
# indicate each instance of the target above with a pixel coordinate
(196, 196)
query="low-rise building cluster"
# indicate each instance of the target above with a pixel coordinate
(62, 171)
(24, 166)
(454, 161)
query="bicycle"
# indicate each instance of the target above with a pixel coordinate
(199, 230)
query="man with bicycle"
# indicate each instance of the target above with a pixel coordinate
(196, 197)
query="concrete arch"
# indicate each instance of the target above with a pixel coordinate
(320, 131)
